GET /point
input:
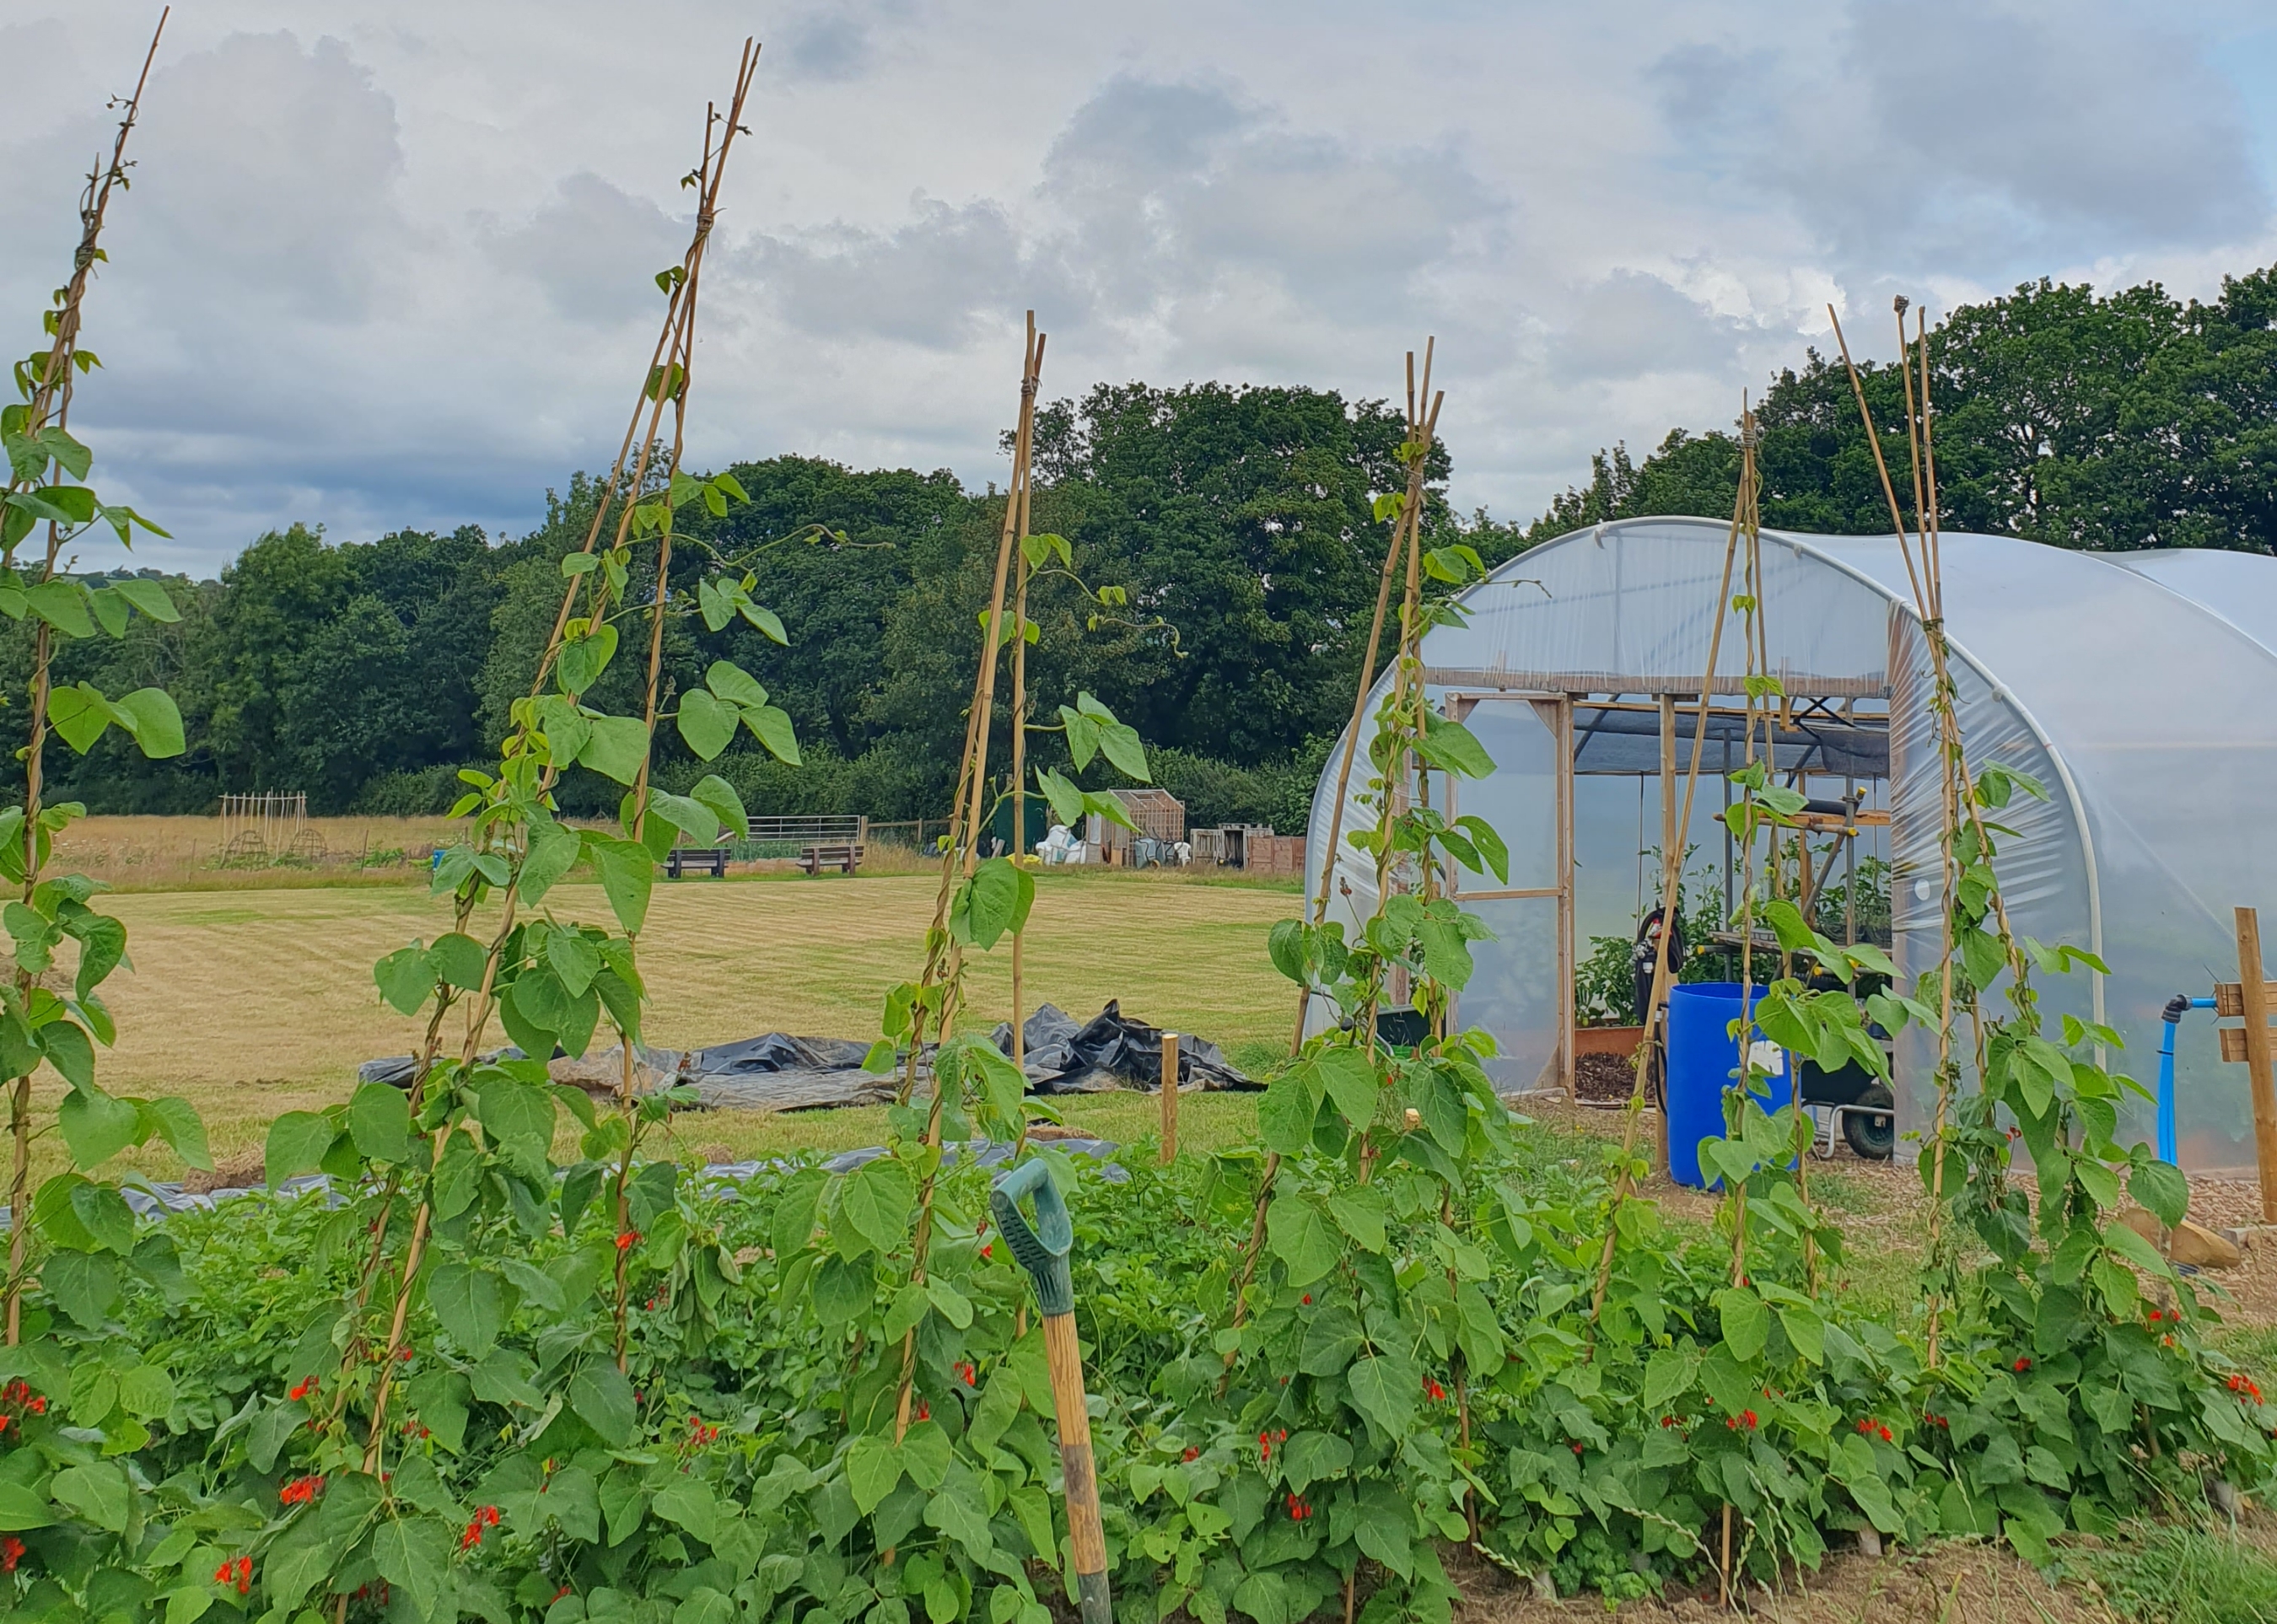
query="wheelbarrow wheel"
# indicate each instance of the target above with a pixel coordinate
(1874, 1137)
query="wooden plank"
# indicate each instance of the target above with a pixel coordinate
(2232, 1043)
(2254, 985)
(1798, 685)
(2229, 997)
(1833, 823)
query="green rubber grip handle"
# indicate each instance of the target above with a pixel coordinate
(1042, 1250)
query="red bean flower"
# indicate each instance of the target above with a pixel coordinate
(484, 1517)
(2024, 1364)
(1191, 1454)
(12, 1552)
(628, 1239)
(1433, 1391)
(302, 1389)
(300, 1490)
(968, 1375)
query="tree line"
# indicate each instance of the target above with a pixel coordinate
(1241, 522)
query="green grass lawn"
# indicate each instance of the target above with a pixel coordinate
(260, 1002)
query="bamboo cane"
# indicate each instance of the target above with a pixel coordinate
(947, 953)
(1624, 1183)
(1320, 910)
(51, 392)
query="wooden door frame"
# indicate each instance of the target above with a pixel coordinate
(1555, 712)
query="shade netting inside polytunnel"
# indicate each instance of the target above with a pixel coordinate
(2139, 691)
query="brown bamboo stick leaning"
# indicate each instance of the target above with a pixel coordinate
(1320, 910)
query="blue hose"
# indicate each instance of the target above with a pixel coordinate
(2177, 1007)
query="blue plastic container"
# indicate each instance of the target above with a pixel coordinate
(1703, 1059)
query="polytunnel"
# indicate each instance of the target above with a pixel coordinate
(2136, 689)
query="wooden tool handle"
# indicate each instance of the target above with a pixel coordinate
(1085, 1535)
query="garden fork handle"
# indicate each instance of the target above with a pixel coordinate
(1042, 1251)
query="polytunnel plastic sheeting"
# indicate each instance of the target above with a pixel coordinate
(2142, 709)
(2154, 711)
(2240, 587)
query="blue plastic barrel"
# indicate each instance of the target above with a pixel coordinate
(1703, 1059)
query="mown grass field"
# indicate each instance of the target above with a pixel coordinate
(255, 1002)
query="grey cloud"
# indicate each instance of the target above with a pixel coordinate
(1633, 324)
(2073, 114)
(594, 249)
(840, 41)
(1156, 196)
(950, 272)
(830, 48)
(1170, 185)
(1968, 136)
(274, 179)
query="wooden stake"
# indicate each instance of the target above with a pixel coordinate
(2253, 995)
(1671, 861)
(1723, 1568)
(1020, 737)
(1169, 1098)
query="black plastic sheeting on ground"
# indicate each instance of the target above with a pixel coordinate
(1110, 1051)
(778, 1071)
(395, 1070)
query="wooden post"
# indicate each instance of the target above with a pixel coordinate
(1670, 851)
(2253, 992)
(1655, 1020)
(1169, 1098)
(1565, 732)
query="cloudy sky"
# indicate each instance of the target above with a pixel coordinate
(390, 265)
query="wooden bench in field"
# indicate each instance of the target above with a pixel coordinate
(698, 857)
(844, 855)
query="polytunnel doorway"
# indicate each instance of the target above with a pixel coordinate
(1580, 880)
(1521, 988)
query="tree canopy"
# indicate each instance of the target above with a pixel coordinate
(1239, 518)
(2100, 422)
